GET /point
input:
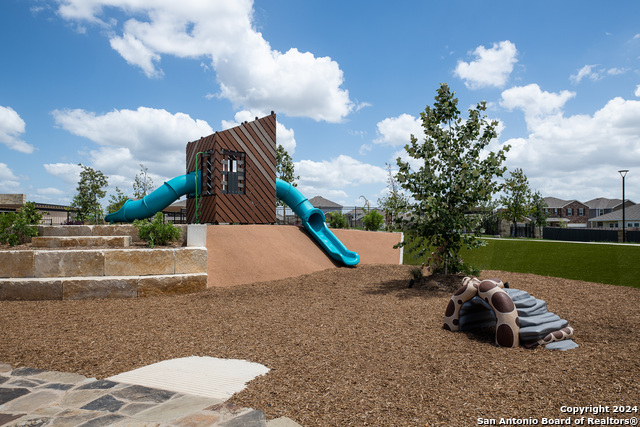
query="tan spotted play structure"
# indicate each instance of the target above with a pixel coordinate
(519, 318)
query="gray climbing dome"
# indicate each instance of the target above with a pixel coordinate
(534, 325)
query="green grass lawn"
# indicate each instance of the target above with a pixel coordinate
(600, 263)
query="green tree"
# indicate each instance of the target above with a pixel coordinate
(18, 228)
(456, 176)
(285, 169)
(394, 203)
(116, 201)
(516, 199)
(538, 213)
(90, 190)
(142, 184)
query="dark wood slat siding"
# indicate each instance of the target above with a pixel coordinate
(260, 190)
(257, 139)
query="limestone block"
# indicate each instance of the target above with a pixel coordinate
(64, 230)
(190, 260)
(171, 284)
(80, 263)
(30, 289)
(93, 241)
(138, 262)
(99, 287)
(16, 264)
(117, 230)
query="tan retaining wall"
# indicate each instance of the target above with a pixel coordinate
(101, 273)
(240, 254)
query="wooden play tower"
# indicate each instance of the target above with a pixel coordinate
(237, 175)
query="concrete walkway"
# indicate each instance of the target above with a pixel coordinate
(34, 397)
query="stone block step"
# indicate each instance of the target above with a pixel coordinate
(102, 262)
(81, 241)
(74, 288)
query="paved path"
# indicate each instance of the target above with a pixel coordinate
(34, 397)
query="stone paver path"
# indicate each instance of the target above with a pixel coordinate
(34, 397)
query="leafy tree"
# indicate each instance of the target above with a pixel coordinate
(538, 213)
(18, 228)
(116, 201)
(394, 203)
(285, 169)
(142, 184)
(337, 220)
(455, 178)
(516, 199)
(90, 190)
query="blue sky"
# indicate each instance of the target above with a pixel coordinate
(115, 83)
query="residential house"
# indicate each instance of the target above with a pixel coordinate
(325, 205)
(614, 219)
(569, 213)
(51, 214)
(602, 206)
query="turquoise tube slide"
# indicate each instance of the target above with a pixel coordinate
(313, 220)
(157, 200)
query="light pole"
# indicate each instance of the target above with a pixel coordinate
(623, 173)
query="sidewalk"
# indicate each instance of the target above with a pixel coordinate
(34, 397)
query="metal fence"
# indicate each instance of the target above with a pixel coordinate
(633, 236)
(580, 234)
(353, 214)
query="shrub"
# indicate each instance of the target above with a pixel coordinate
(156, 232)
(337, 220)
(18, 228)
(373, 221)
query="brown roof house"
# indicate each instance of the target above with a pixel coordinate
(566, 213)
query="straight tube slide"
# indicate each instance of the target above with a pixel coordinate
(313, 220)
(157, 200)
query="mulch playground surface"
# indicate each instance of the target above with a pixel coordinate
(351, 346)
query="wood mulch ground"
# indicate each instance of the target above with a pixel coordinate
(350, 346)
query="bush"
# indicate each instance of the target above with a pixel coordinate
(372, 221)
(337, 220)
(18, 228)
(156, 232)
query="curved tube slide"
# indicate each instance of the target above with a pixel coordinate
(157, 200)
(313, 220)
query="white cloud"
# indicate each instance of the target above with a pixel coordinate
(590, 72)
(284, 136)
(11, 127)
(577, 157)
(637, 92)
(6, 173)
(397, 131)
(585, 72)
(534, 102)
(50, 191)
(491, 67)
(69, 172)
(250, 74)
(336, 175)
(9, 182)
(127, 138)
